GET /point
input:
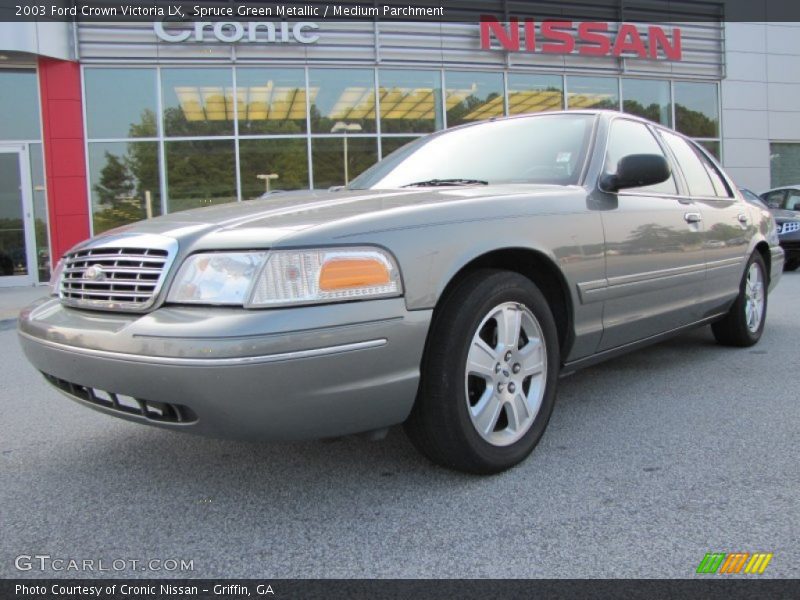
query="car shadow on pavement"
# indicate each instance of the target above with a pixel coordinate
(615, 454)
(153, 456)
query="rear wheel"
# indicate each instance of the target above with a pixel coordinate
(791, 265)
(744, 323)
(489, 375)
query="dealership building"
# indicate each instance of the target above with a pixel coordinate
(103, 124)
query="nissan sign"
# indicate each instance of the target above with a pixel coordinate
(232, 32)
(590, 38)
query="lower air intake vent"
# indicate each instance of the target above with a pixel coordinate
(153, 411)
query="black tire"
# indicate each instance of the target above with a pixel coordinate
(791, 265)
(439, 425)
(733, 329)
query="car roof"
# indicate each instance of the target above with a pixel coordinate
(783, 187)
(598, 112)
(578, 111)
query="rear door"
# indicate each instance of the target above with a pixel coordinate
(726, 223)
(654, 248)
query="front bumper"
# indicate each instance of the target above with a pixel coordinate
(298, 373)
(776, 272)
(791, 247)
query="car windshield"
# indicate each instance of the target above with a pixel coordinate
(548, 149)
(751, 197)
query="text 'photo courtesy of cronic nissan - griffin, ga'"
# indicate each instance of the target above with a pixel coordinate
(447, 288)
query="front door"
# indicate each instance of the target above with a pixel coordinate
(17, 242)
(654, 249)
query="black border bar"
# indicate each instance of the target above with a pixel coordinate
(707, 588)
(461, 11)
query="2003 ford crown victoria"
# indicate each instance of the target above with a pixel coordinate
(446, 288)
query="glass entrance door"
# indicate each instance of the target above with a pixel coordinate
(17, 244)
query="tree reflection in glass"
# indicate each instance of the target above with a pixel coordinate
(125, 183)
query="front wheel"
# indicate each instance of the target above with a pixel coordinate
(791, 265)
(744, 323)
(489, 374)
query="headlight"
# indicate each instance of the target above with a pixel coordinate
(218, 278)
(772, 235)
(292, 277)
(55, 278)
(286, 277)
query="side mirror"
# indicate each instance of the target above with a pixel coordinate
(636, 170)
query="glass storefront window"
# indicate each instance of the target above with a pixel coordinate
(647, 98)
(271, 101)
(200, 173)
(124, 183)
(41, 230)
(473, 96)
(529, 93)
(120, 103)
(19, 105)
(197, 102)
(342, 96)
(592, 92)
(410, 101)
(286, 158)
(697, 109)
(330, 165)
(338, 108)
(784, 164)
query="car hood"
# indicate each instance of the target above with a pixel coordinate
(277, 216)
(780, 213)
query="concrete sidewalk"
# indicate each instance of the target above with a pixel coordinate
(13, 300)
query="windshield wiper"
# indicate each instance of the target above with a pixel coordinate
(446, 182)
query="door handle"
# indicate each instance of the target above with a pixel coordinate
(693, 217)
(742, 218)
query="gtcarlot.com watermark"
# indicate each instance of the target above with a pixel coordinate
(48, 563)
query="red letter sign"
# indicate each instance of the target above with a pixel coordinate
(552, 30)
(623, 44)
(596, 35)
(509, 40)
(659, 38)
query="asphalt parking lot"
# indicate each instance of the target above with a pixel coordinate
(650, 461)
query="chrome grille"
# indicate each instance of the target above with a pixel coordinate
(121, 278)
(788, 227)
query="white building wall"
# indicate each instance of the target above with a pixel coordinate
(760, 97)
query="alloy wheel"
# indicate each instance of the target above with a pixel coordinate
(506, 373)
(754, 293)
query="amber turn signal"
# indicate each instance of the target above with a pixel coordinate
(345, 273)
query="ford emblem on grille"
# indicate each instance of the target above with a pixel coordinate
(94, 273)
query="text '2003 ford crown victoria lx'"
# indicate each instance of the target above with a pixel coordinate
(446, 288)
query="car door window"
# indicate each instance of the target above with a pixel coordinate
(697, 177)
(631, 137)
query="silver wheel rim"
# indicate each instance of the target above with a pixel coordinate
(506, 374)
(754, 294)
